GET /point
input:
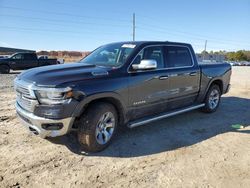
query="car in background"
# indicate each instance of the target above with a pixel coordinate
(43, 57)
(3, 56)
(59, 60)
(22, 61)
(245, 63)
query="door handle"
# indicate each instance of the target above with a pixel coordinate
(163, 77)
(193, 74)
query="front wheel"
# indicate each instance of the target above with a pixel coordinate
(97, 127)
(212, 100)
(4, 69)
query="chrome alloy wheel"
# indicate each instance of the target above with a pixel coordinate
(105, 128)
(214, 98)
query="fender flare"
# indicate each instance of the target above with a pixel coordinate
(209, 85)
(88, 99)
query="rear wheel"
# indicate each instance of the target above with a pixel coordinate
(212, 100)
(97, 127)
(4, 69)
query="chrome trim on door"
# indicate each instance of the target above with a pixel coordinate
(163, 77)
(193, 74)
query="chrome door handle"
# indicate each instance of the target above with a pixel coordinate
(163, 77)
(193, 74)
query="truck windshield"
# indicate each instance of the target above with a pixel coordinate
(111, 55)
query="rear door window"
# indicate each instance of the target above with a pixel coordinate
(177, 57)
(29, 56)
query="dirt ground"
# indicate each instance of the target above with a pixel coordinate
(188, 150)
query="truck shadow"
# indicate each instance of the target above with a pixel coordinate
(172, 133)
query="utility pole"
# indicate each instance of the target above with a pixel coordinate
(205, 49)
(133, 26)
(205, 45)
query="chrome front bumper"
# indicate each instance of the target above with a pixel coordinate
(34, 123)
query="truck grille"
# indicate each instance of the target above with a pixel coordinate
(24, 97)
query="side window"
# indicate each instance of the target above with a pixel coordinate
(154, 52)
(29, 56)
(18, 56)
(178, 57)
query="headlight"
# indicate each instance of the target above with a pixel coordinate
(53, 95)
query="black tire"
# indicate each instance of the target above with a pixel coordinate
(209, 108)
(4, 69)
(88, 130)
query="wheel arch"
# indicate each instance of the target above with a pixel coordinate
(6, 64)
(110, 98)
(217, 82)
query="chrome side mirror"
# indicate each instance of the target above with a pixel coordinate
(145, 64)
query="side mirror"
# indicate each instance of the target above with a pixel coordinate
(145, 64)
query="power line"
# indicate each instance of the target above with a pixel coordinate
(52, 30)
(166, 31)
(79, 22)
(64, 14)
(142, 26)
(162, 29)
(198, 36)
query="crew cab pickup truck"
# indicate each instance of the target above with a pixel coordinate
(119, 84)
(22, 61)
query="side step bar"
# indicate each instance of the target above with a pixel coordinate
(162, 116)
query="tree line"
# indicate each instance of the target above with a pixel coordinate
(241, 55)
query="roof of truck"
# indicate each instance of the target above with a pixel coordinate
(153, 42)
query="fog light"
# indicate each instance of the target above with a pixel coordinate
(51, 112)
(52, 126)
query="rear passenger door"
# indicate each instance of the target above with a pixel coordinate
(183, 75)
(30, 61)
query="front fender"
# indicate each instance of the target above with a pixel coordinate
(87, 99)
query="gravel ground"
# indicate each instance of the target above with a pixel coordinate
(189, 150)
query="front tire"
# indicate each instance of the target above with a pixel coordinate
(97, 127)
(212, 99)
(4, 69)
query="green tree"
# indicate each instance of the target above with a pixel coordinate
(240, 56)
(231, 56)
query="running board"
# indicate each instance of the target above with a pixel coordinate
(162, 116)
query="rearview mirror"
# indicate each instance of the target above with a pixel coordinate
(145, 64)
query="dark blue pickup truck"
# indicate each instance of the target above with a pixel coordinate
(119, 84)
(23, 61)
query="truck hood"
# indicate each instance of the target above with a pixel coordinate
(3, 59)
(55, 75)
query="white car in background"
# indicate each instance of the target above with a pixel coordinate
(3, 56)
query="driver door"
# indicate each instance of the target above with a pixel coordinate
(16, 61)
(148, 88)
